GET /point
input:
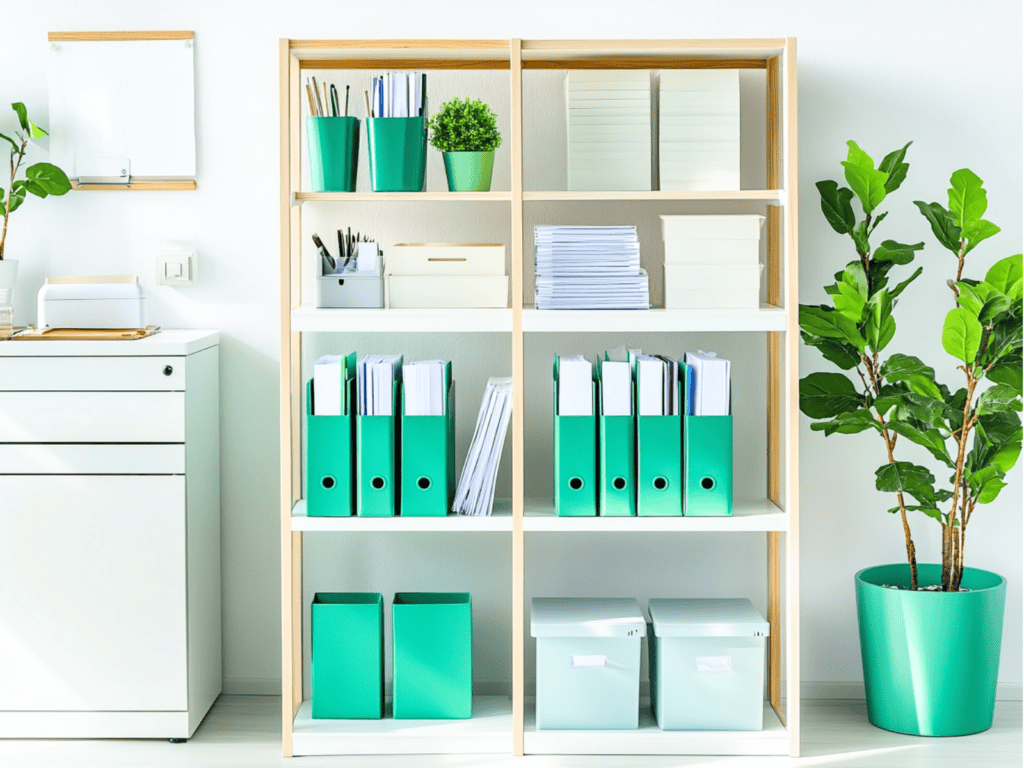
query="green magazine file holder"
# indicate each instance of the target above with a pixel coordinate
(575, 482)
(428, 459)
(347, 630)
(707, 466)
(333, 144)
(397, 148)
(659, 447)
(617, 467)
(330, 453)
(433, 655)
(377, 477)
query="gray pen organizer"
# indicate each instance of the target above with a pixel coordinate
(352, 290)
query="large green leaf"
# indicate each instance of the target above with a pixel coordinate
(819, 321)
(16, 198)
(849, 302)
(967, 199)
(1000, 427)
(1005, 273)
(901, 286)
(999, 448)
(877, 220)
(890, 250)
(880, 326)
(961, 335)
(1001, 397)
(905, 477)
(49, 177)
(986, 483)
(835, 351)
(855, 276)
(980, 230)
(858, 157)
(943, 225)
(931, 511)
(1008, 371)
(893, 165)
(19, 108)
(1006, 339)
(984, 302)
(860, 238)
(867, 183)
(827, 395)
(848, 423)
(35, 131)
(835, 204)
(12, 142)
(918, 376)
(931, 439)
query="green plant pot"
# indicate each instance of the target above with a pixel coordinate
(333, 153)
(931, 659)
(469, 171)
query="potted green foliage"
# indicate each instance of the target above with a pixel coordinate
(466, 131)
(41, 180)
(930, 633)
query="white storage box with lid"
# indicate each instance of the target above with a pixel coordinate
(114, 301)
(446, 275)
(588, 662)
(706, 659)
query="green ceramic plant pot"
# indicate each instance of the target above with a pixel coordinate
(469, 171)
(931, 659)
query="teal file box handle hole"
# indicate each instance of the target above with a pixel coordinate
(576, 483)
(619, 483)
(707, 483)
(423, 483)
(327, 482)
(378, 482)
(660, 483)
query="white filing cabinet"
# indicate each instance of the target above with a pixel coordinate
(110, 611)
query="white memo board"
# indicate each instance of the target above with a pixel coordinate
(114, 96)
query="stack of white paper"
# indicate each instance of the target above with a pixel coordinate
(375, 379)
(657, 380)
(589, 268)
(423, 385)
(608, 121)
(328, 393)
(575, 386)
(709, 384)
(475, 494)
(616, 389)
(699, 129)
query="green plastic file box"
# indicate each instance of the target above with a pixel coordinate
(397, 149)
(575, 467)
(333, 145)
(377, 466)
(706, 662)
(707, 466)
(428, 459)
(433, 655)
(617, 466)
(659, 475)
(348, 655)
(329, 459)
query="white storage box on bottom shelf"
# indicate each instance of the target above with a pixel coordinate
(447, 292)
(588, 662)
(706, 659)
(712, 286)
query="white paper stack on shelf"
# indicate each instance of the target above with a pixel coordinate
(709, 384)
(375, 381)
(423, 387)
(589, 268)
(608, 124)
(699, 129)
(711, 262)
(657, 390)
(475, 494)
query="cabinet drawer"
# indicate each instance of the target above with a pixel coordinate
(92, 417)
(63, 374)
(77, 459)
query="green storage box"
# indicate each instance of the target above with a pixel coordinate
(433, 655)
(377, 465)
(333, 144)
(707, 466)
(330, 441)
(428, 459)
(397, 148)
(659, 474)
(575, 466)
(348, 655)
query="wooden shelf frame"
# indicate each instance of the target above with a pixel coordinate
(776, 517)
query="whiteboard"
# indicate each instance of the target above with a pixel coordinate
(116, 99)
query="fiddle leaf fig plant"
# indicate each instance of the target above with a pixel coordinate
(41, 179)
(970, 436)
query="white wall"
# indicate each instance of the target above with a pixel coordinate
(883, 73)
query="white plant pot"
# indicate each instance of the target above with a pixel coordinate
(8, 276)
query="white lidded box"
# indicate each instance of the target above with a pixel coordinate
(446, 259)
(446, 292)
(712, 227)
(588, 662)
(706, 660)
(91, 301)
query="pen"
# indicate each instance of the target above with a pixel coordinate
(346, 101)
(341, 248)
(328, 263)
(334, 100)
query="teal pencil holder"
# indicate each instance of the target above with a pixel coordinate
(333, 153)
(397, 148)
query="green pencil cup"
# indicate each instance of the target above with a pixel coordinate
(333, 153)
(397, 148)
(348, 655)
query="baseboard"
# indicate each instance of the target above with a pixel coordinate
(252, 686)
(827, 690)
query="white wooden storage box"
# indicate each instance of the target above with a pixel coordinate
(91, 305)
(446, 259)
(588, 662)
(712, 227)
(706, 660)
(447, 292)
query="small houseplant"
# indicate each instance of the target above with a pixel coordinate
(466, 131)
(41, 180)
(930, 633)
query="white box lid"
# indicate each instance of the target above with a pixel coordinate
(706, 617)
(90, 291)
(586, 617)
(712, 227)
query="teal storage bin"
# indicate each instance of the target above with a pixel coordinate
(348, 655)
(707, 466)
(428, 459)
(575, 465)
(659, 471)
(397, 148)
(433, 655)
(330, 452)
(706, 662)
(378, 462)
(588, 662)
(333, 148)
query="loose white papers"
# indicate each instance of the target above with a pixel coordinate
(575, 388)
(327, 390)
(710, 394)
(423, 385)
(375, 380)
(616, 392)
(475, 494)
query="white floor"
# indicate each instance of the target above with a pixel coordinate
(244, 731)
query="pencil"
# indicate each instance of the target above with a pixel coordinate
(346, 101)
(316, 92)
(312, 105)
(327, 101)
(369, 112)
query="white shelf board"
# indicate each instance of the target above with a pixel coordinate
(419, 197)
(759, 515)
(501, 520)
(648, 739)
(306, 318)
(754, 195)
(767, 318)
(489, 731)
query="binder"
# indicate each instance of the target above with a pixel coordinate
(428, 458)
(707, 465)
(377, 471)
(575, 466)
(659, 445)
(330, 442)
(617, 456)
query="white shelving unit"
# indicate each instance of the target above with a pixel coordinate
(505, 724)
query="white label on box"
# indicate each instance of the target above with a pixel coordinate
(713, 663)
(587, 661)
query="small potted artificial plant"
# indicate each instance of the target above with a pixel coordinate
(466, 131)
(41, 179)
(930, 633)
